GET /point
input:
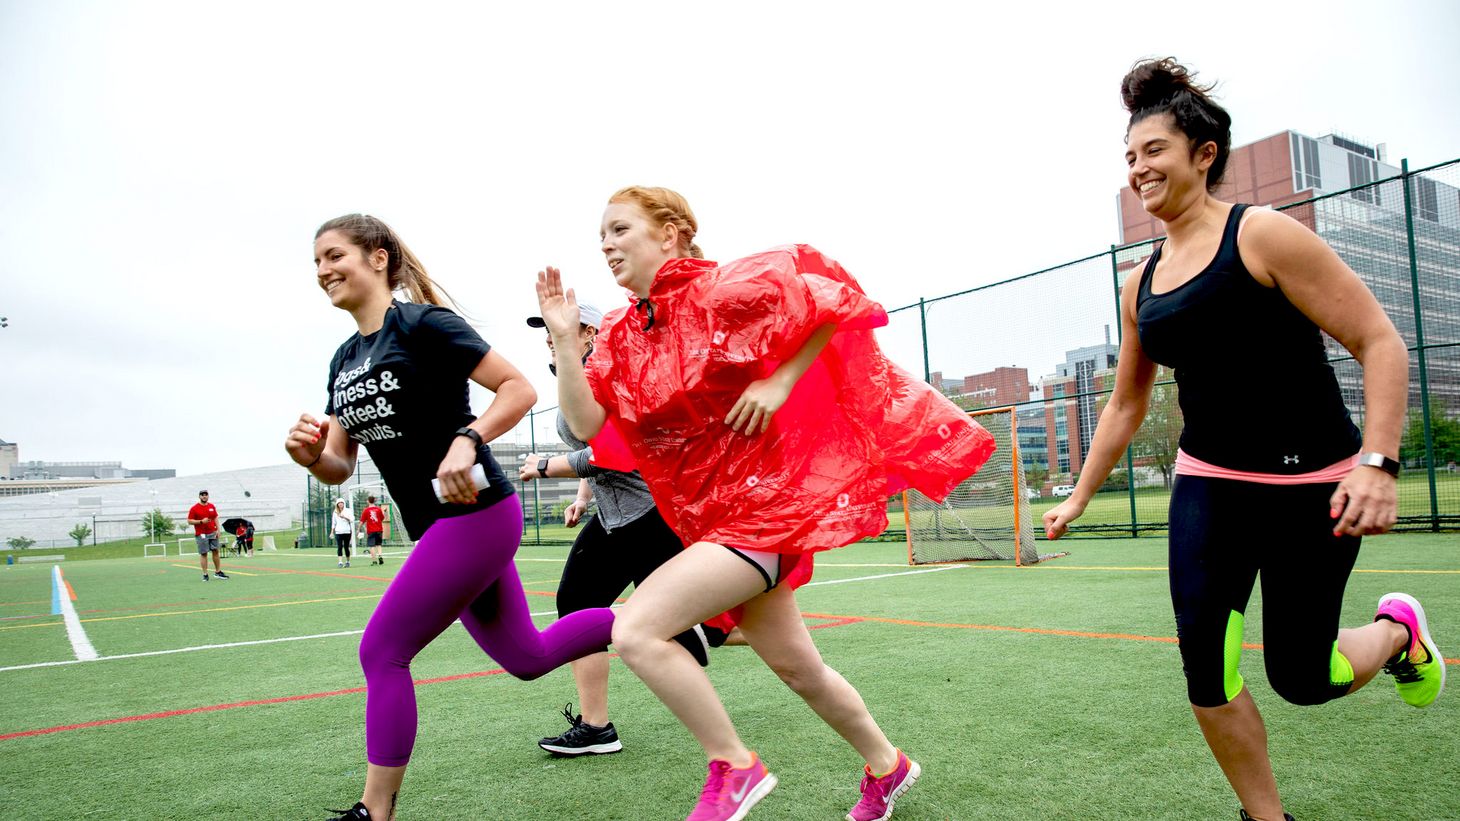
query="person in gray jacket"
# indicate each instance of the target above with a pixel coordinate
(623, 542)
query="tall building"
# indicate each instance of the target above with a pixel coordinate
(9, 456)
(1072, 404)
(997, 388)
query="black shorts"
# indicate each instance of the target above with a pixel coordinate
(372, 539)
(602, 564)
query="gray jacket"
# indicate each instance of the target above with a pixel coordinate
(621, 497)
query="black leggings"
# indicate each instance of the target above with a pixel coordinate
(1223, 534)
(602, 564)
(342, 544)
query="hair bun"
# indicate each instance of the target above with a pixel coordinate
(1153, 82)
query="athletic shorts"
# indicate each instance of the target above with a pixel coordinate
(206, 542)
(373, 539)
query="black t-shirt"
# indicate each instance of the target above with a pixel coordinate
(402, 393)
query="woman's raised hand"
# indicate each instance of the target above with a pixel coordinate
(559, 308)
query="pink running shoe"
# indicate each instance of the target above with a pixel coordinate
(880, 792)
(730, 793)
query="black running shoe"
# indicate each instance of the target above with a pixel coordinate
(582, 738)
(696, 643)
(355, 813)
(220, 574)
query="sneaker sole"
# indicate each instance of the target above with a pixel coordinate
(757, 792)
(913, 771)
(1424, 635)
(592, 749)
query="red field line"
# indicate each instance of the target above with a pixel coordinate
(61, 728)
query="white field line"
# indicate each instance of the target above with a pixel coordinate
(204, 647)
(80, 644)
(358, 632)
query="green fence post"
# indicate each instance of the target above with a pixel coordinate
(1130, 462)
(923, 322)
(537, 485)
(1419, 346)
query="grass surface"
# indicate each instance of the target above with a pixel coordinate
(1025, 693)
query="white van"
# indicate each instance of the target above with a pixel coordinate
(1062, 490)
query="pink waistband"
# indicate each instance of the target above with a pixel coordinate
(1188, 465)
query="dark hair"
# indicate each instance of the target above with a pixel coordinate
(402, 270)
(370, 499)
(202, 492)
(1165, 86)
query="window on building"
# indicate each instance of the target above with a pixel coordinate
(1305, 163)
(1426, 199)
(1362, 171)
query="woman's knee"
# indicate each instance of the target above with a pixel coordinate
(1306, 686)
(804, 677)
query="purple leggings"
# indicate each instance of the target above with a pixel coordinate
(462, 568)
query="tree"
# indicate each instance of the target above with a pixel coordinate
(1156, 442)
(1036, 476)
(19, 542)
(155, 525)
(80, 532)
(1444, 435)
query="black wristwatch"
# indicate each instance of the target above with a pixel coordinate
(542, 467)
(470, 434)
(1374, 459)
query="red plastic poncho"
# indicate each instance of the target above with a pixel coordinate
(855, 429)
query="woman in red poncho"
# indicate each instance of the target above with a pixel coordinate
(755, 403)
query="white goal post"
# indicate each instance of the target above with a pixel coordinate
(147, 552)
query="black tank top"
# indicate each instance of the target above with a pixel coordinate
(1252, 376)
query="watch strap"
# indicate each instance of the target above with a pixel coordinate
(470, 434)
(542, 466)
(1374, 459)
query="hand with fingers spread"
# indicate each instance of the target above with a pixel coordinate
(1365, 503)
(557, 307)
(306, 440)
(757, 403)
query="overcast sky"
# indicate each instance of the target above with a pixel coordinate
(163, 166)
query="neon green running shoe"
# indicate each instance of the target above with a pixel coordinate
(1419, 669)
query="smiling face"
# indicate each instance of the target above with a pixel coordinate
(346, 273)
(634, 246)
(1163, 170)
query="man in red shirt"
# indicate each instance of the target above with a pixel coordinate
(204, 519)
(374, 520)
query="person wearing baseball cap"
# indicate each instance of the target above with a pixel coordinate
(623, 542)
(590, 319)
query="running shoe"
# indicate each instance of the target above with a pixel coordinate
(695, 642)
(582, 738)
(347, 564)
(1418, 669)
(880, 792)
(1243, 816)
(339, 564)
(355, 813)
(220, 574)
(205, 577)
(730, 793)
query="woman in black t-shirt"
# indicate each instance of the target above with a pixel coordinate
(399, 387)
(1272, 477)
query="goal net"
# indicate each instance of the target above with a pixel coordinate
(986, 517)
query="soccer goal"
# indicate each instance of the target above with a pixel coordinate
(986, 517)
(160, 551)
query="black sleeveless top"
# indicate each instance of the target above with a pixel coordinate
(1252, 375)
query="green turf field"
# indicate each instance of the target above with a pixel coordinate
(1045, 692)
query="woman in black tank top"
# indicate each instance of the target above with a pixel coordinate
(1234, 301)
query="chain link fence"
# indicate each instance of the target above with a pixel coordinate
(1047, 342)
